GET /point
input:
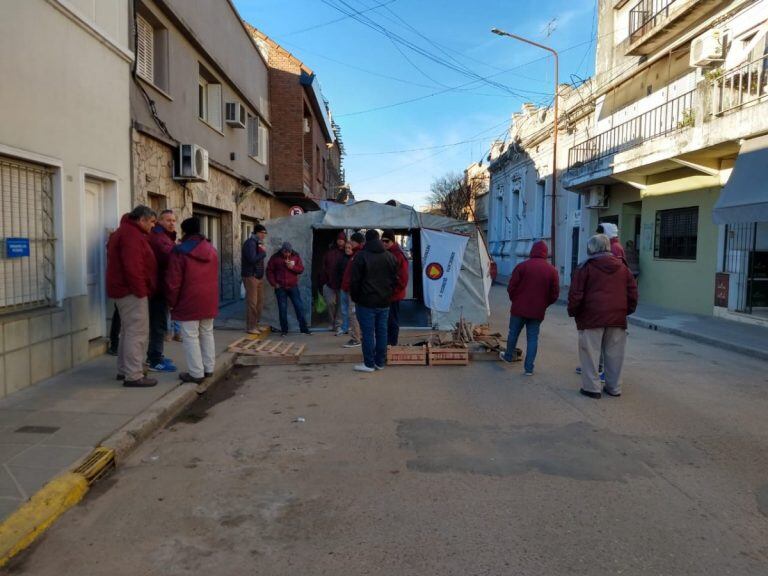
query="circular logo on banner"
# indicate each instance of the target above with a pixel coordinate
(296, 210)
(434, 271)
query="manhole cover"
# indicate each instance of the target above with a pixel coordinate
(37, 429)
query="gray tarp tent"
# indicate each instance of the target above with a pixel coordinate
(470, 298)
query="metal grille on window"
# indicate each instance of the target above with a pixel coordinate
(740, 249)
(253, 136)
(145, 49)
(26, 194)
(677, 233)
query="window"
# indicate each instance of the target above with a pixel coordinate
(26, 229)
(541, 192)
(258, 139)
(677, 233)
(209, 99)
(152, 51)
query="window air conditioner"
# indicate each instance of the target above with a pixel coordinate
(596, 197)
(235, 114)
(190, 163)
(707, 49)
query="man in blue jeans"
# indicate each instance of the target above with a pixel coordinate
(373, 277)
(283, 271)
(533, 287)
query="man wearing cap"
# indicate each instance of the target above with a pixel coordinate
(283, 271)
(356, 243)
(330, 281)
(398, 294)
(252, 272)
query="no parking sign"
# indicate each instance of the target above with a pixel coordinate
(296, 211)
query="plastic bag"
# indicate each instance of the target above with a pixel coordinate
(320, 304)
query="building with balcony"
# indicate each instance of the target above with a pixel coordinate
(307, 150)
(521, 184)
(679, 100)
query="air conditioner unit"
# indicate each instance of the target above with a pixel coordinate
(190, 163)
(596, 197)
(235, 114)
(707, 49)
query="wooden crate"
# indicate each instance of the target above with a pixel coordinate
(448, 356)
(407, 355)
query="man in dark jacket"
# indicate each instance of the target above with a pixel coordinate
(603, 293)
(398, 294)
(131, 279)
(533, 287)
(283, 271)
(252, 272)
(373, 279)
(162, 239)
(330, 282)
(192, 291)
(355, 244)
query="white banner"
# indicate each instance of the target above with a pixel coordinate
(441, 255)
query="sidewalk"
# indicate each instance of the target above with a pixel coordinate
(48, 427)
(739, 337)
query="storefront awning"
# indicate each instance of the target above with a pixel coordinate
(745, 197)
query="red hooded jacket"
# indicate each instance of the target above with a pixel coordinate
(162, 243)
(192, 280)
(402, 272)
(131, 265)
(534, 285)
(347, 278)
(603, 293)
(278, 273)
(617, 249)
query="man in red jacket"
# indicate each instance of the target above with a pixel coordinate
(131, 280)
(192, 292)
(533, 287)
(162, 239)
(398, 295)
(330, 282)
(283, 271)
(603, 293)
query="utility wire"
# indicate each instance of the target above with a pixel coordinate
(335, 20)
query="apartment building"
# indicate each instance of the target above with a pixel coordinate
(521, 184)
(306, 148)
(64, 178)
(676, 146)
(201, 122)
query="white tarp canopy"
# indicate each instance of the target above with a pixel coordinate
(470, 298)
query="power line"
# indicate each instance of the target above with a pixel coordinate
(335, 20)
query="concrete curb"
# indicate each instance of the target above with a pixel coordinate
(697, 337)
(38, 514)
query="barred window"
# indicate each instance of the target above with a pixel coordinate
(26, 221)
(677, 233)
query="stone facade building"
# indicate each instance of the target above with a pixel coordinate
(201, 82)
(306, 146)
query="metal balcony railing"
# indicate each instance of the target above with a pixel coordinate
(645, 15)
(741, 86)
(671, 116)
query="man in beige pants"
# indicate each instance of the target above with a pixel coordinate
(603, 293)
(131, 279)
(252, 273)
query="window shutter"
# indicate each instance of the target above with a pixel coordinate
(214, 105)
(145, 49)
(263, 143)
(253, 136)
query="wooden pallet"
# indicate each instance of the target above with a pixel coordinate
(407, 355)
(268, 351)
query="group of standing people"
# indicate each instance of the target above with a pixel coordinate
(150, 274)
(362, 281)
(602, 294)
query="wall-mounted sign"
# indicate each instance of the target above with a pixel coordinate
(722, 283)
(16, 247)
(296, 210)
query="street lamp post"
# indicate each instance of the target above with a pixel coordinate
(554, 134)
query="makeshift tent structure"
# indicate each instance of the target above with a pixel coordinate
(310, 235)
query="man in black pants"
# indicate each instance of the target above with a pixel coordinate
(162, 239)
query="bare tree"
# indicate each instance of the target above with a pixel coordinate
(451, 195)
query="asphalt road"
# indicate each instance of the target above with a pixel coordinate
(445, 471)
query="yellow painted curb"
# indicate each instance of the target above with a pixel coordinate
(23, 526)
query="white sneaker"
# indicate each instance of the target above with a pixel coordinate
(254, 332)
(363, 368)
(340, 332)
(377, 367)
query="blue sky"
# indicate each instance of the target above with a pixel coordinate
(391, 151)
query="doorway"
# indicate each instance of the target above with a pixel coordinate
(95, 258)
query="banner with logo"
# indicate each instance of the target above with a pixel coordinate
(441, 255)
